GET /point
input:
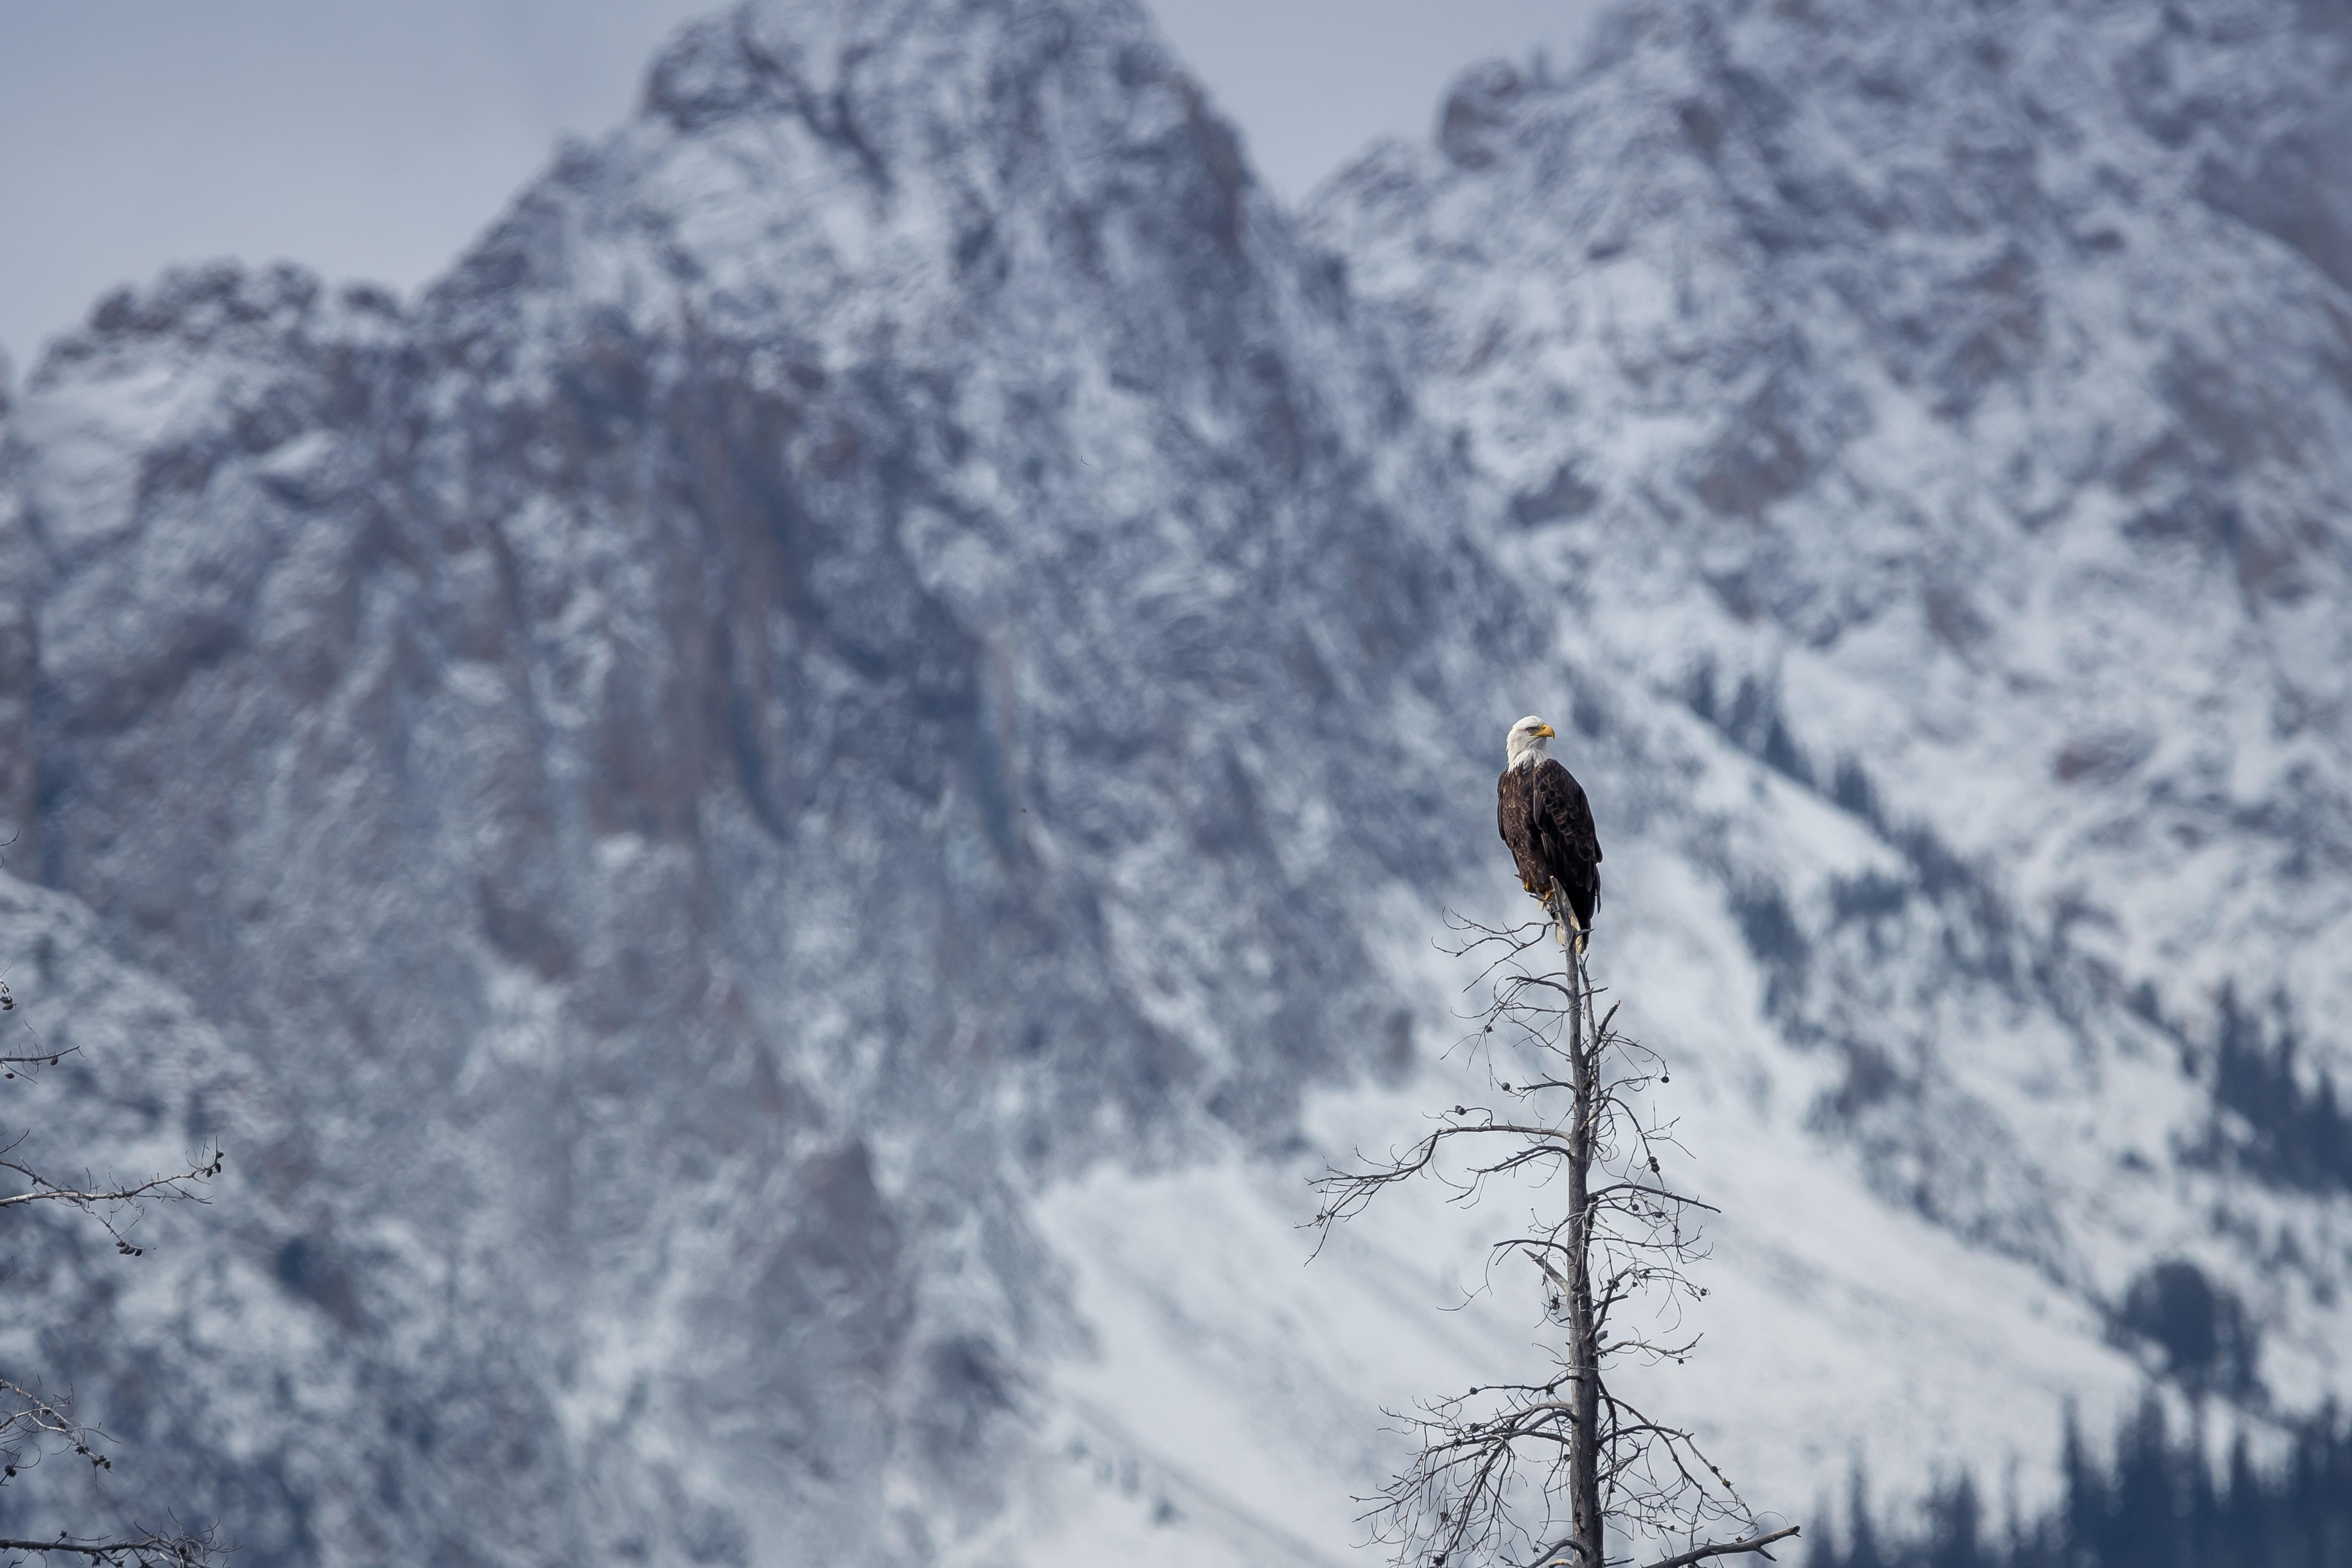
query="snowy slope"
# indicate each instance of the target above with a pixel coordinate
(811, 789)
(1952, 410)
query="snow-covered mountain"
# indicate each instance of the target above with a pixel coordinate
(1953, 410)
(790, 808)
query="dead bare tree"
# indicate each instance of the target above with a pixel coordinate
(37, 1427)
(1545, 1466)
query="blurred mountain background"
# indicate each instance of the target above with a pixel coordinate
(777, 813)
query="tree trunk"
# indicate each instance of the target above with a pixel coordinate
(1584, 1352)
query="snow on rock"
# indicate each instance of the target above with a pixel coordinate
(807, 792)
(1950, 411)
(857, 654)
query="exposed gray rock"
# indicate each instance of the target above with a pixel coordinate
(863, 649)
(1953, 410)
(893, 639)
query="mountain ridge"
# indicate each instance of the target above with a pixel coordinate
(1696, 336)
(734, 760)
(823, 773)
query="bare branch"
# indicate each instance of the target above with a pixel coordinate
(106, 1204)
(34, 1426)
(172, 1186)
(40, 1058)
(1671, 1197)
(1725, 1549)
(176, 1550)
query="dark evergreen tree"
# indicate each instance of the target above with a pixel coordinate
(1859, 1529)
(2293, 1136)
(2154, 1503)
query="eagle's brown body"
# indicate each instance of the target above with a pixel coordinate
(1547, 824)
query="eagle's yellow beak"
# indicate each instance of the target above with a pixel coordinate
(1545, 732)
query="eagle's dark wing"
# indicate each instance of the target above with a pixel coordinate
(1563, 817)
(1565, 840)
(1514, 819)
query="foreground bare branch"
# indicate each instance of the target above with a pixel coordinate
(1726, 1549)
(32, 1427)
(147, 1550)
(37, 1428)
(113, 1207)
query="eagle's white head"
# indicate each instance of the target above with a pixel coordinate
(1524, 746)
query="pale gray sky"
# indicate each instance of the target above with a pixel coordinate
(374, 140)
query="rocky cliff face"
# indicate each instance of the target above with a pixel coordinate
(863, 649)
(1952, 413)
(799, 794)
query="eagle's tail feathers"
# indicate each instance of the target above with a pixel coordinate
(1568, 925)
(1566, 921)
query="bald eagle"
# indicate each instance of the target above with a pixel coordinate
(1547, 824)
